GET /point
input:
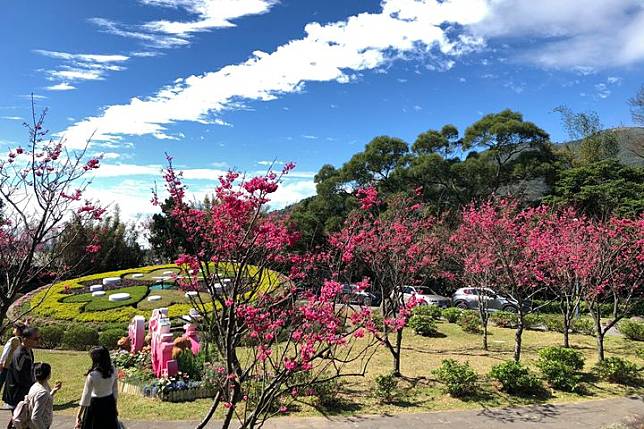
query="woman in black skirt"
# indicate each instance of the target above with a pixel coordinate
(98, 403)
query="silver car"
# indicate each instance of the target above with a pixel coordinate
(468, 298)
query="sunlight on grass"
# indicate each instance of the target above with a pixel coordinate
(420, 391)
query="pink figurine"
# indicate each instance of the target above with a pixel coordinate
(136, 333)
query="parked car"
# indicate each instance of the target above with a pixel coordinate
(351, 294)
(468, 298)
(426, 295)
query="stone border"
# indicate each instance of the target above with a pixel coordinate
(186, 395)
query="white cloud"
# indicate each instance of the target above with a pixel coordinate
(291, 192)
(12, 118)
(63, 86)
(108, 155)
(603, 90)
(83, 58)
(146, 54)
(34, 96)
(148, 39)
(207, 14)
(269, 163)
(570, 34)
(329, 52)
(80, 67)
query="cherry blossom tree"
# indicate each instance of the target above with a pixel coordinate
(42, 186)
(564, 246)
(398, 245)
(615, 273)
(271, 347)
(496, 235)
(473, 270)
(598, 262)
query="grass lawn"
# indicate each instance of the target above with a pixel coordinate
(421, 392)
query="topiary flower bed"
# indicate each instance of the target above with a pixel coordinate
(71, 300)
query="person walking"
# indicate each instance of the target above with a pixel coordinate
(41, 398)
(7, 354)
(98, 402)
(20, 375)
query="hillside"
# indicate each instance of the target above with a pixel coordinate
(631, 144)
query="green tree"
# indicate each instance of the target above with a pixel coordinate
(504, 136)
(601, 188)
(377, 162)
(442, 142)
(118, 242)
(165, 236)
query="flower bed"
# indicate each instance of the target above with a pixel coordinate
(136, 378)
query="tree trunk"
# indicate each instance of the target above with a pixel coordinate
(211, 411)
(599, 333)
(600, 346)
(396, 353)
(485, 334)
(228, 419)
(566, 331)
(518, 336)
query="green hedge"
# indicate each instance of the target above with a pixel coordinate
(80, 337)
(110, 337)
(553, 308)
(632, 329)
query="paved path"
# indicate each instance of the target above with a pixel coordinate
(587, 415)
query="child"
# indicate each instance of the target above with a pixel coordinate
(41, 397)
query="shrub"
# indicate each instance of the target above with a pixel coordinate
(583, 326)
(560, 367)
(516, 378)
(470, 322)
(428, 310)
(423, 325)
(534, 321)
(618, 370)
(80, 337)
(554, 322)
(110, 337)
(190, 364)
(327, 392)
(504, 319)
(632, 329)
(386, 389)
(451, 314)
(51, 336)
(459, 378)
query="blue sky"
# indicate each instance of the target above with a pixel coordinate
(236, 83)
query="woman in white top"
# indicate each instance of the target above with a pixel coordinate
(98, 403)
(41, 398)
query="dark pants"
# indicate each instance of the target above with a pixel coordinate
(101, 414)
(3, 377)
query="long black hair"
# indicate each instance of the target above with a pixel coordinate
(101, 361)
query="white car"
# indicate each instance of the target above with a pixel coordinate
(427, 296)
